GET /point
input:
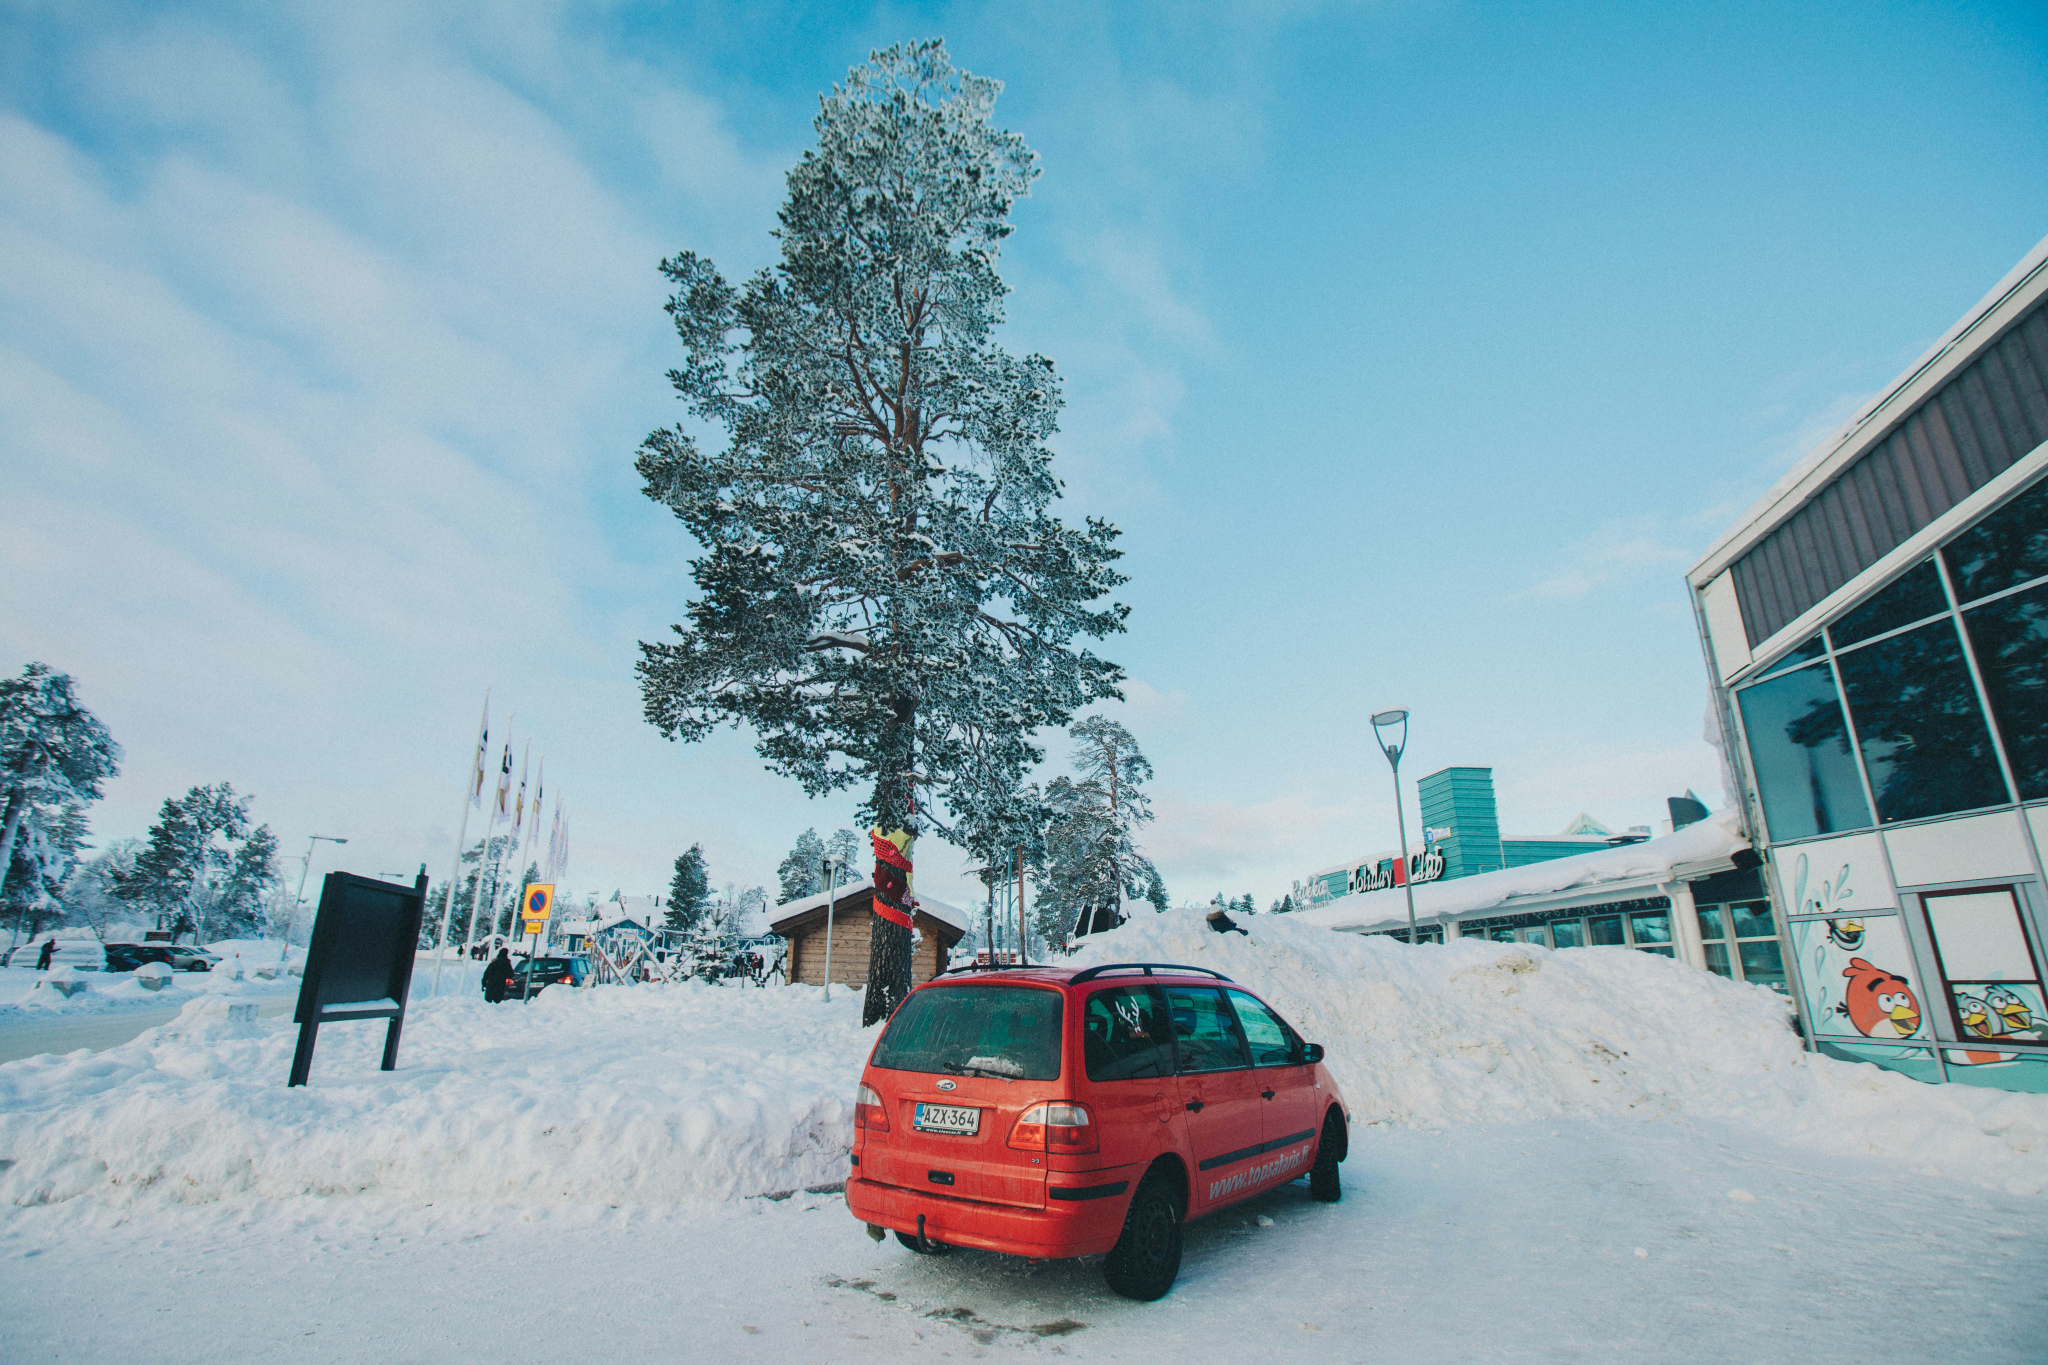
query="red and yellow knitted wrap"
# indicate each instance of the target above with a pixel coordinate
(893, 901)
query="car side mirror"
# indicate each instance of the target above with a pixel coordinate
(1311, 1052)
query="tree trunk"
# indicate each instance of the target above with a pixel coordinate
(17, 802)
(895, 809)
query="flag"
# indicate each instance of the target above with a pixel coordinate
(555, 843)
(503, 805)
(561, 842)
(519, 803)
(479, 771)
(540, 777)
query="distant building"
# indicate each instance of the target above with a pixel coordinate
(1695, 895)
(1461, 838)
(847, 917)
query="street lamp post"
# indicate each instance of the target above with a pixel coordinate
(831, 903)
(1382, 723)
(298, 899)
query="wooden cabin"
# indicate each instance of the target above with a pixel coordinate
(802, 924)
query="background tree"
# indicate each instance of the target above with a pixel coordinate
(89, 891)
(203, 864)
(45, 851)
(886, 599)
(689, 890)
(54, 756)
(1155, 892)
(1092, 858)
(802, 872)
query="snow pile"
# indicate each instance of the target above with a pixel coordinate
(1474, 1031)
(689, 1092)
(628, 1094)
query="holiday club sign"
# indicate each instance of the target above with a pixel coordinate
(1426, 866)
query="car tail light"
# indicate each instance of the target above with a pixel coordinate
(1056, 1126)
(868, 1112)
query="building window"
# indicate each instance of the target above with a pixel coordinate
(1799, 749)
(1605, 932)
(1994, 986)
(1924, 741)
(1741, 942)
(2010, 637)
(1909, 707)
(1568, 933)
(1651, 931)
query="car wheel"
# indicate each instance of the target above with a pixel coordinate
(930, 1248)
(1146, 1258)
(1324, 1182)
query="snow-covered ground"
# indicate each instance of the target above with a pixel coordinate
(247, 967)
(1594, 1154)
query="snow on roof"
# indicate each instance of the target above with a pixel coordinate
(937, 909)
(1712, 839)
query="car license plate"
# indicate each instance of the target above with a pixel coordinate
(946, 1118)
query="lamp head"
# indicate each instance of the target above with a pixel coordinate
(1388, 720)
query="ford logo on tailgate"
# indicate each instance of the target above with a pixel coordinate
(946, 1085)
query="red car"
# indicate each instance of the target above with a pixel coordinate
(1051, 1112)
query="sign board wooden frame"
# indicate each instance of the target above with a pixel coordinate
(359, 962)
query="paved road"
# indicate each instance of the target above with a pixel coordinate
(33, 1037)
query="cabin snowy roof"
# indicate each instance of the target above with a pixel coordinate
(938, 910)
(1697, 850)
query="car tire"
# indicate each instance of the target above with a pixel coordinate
(1324, 1182)
(930, 1248)
(1146, 1258)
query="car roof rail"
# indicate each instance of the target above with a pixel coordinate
(1146, 967)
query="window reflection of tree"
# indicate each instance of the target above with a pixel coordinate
(2005, 549)
(2011, 639)
(1923, 736)
(1821, 723)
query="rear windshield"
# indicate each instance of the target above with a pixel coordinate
(1008, 1031)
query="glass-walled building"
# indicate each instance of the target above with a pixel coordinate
(1878, 631)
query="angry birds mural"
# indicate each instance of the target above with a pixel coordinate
(1846, 934)
(1880, 1004)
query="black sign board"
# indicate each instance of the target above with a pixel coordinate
(359, 964)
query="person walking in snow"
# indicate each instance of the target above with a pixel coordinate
(498, 977)
(43, 958)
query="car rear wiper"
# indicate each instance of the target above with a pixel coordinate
(962, 1069)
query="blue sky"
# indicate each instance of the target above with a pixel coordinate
(1417, 348)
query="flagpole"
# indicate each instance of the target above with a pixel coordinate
(470, 790)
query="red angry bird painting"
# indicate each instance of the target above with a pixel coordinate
(1879, 1003)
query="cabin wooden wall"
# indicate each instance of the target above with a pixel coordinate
(852, 942)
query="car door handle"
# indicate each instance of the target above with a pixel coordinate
(1267, 1093)
(1196, 1106)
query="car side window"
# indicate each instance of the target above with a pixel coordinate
(1125, 1034)
(1205, 1031)
(1272, 1042)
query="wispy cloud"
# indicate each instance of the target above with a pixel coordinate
(1622, 550)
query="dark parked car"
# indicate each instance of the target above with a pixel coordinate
(126, 957)
(530, 976)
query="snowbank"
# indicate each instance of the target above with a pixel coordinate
(1472, 1032)
(617, 1095)
(689, 1092)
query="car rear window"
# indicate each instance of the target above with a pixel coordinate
(1128, 1034)
(1007, 1031)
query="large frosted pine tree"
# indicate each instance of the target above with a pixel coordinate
(886, 596)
